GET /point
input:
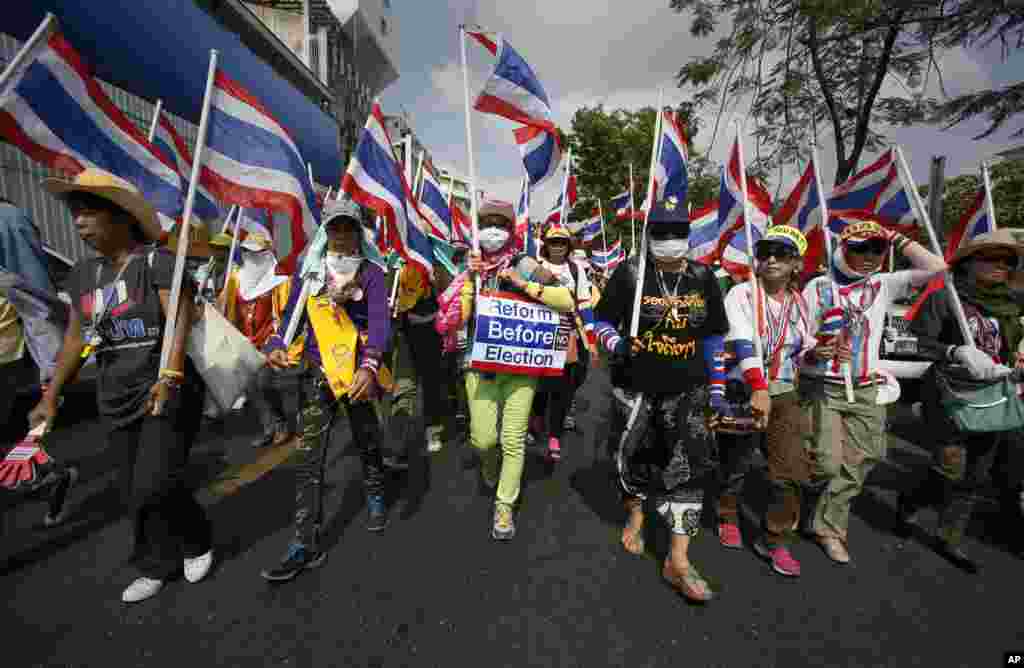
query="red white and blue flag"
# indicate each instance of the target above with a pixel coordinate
(671, 174)
(167, 140)
(251, 160)
(590, 228)
(862, 190)
(729, 232)
(606, 260)
(376, 180)
(555, 214)
(434, 206)
(53, 109)
(802, 210)
(621, 205)
(514, 92)
(462, 227)
(703, 238)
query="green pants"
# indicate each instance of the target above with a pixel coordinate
(845, 442)
(513, 395)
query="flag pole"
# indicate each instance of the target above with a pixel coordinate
(563, 214)
(632, 214)
(469, 150)
(418, 182)
(234, 244)
(156, 120)
(827, 234)
(600, 212)
(989, 204)
(179, 262)
(922, 215)
(748, 231)
(30, 44)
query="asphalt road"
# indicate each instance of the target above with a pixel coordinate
(435, 590)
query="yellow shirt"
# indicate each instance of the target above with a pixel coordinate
(12, 336)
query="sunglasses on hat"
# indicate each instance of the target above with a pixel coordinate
(868, 246)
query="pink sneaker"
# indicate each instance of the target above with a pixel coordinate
(554, 449)
(729, 536)
(783, 562)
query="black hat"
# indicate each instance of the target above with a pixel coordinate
(670, 211)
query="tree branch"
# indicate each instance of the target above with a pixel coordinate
(864, 113)
(830, 101)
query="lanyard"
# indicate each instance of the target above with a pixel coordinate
(102, 305)
(773, 330)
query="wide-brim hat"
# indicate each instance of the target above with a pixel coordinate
(670, 211)
(493, 207)
(198, 240)
(114, 189)
(787, 236)
(1005, 239)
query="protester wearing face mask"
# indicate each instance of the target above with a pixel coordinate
(675, 367)
(346, 328)
(499, 267)
(254, 299)
(847, 439)
(772, 309)
(987, 276)
(551, 406)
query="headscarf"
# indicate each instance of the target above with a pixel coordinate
(994, 301)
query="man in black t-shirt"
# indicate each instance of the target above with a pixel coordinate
(674, 368)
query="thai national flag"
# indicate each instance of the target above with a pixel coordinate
(703, 236)
(802, 210)
(620, 205)
(524, 231)
(975, 221)
(555, 214)
(606, 260)
(434, 206)
(862, 190)
(671, 174)
(513, 91)
(462, 227)
(376, 180)
(53, 110)
(250, 160)
(591, 228)
(167, 139)
(541, 152)
(729, 231)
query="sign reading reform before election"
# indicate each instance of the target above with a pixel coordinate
(518, 336)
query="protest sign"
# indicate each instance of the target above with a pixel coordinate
(518, 336)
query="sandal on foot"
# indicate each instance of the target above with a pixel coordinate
(690, 584)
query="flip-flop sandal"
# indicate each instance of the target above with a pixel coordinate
(634, 539)
(690, 584)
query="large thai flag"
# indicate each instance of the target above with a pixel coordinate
(167, 140)
(541, 152)
(376, 180)
(703, 238)
(251, 160)
(56, 112)
(620, 205)
(671, 174)
(729, 231)
(434, 206)
(863, 189)
(513, 91)
(892, 204)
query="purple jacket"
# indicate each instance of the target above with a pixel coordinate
(369, 315)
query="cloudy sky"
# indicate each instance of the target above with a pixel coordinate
(614, 52)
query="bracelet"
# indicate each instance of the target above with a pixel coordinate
(171, 373)
(902, 241)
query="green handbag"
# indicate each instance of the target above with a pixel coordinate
(975, 406)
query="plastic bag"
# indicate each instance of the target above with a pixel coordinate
(224, 357)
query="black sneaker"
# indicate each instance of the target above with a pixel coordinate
(296, 560)
(377, 519)
(58, 498)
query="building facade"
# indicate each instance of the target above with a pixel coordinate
(458, 184)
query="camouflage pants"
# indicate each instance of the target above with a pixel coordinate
(845, 442)
(669, 455)
(319, 409)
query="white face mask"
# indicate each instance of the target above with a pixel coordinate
(493, 239)
(669, 249)
(343, 264)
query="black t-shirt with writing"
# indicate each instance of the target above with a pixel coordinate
(672, 330)
(126, 313)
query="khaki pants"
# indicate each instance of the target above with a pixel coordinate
(845, 442)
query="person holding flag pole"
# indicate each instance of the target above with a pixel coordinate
(148, 391)
(847, 439)
(672, 367)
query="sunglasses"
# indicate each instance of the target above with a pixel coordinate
(1005, 260)
(871, 246)
(778, 252)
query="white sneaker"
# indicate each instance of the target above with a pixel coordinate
(434, 442)
(197, 568)
(141, 589)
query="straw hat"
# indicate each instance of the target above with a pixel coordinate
(1005, 239)
(112, 188)
(493, 207)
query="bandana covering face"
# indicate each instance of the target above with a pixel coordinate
(257, 277)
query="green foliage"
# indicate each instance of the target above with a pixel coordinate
(1007, 195)
(817, 67)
